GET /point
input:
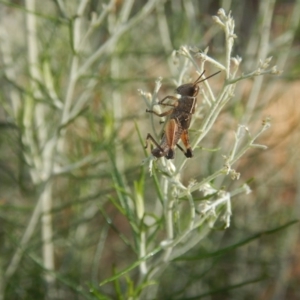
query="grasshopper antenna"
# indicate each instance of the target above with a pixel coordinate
(198, 79)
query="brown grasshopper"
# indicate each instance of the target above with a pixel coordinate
(179, 122)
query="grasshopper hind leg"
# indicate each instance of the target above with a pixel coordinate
(170, 154)
(158, 151)
(188, 153)
(185, 139)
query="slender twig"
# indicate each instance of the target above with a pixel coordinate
(266, 13)
(148, 7)
(43, 168)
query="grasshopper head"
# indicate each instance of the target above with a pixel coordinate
(192, 89)
(188, 89)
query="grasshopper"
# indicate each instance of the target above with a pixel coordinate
(179, 122)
